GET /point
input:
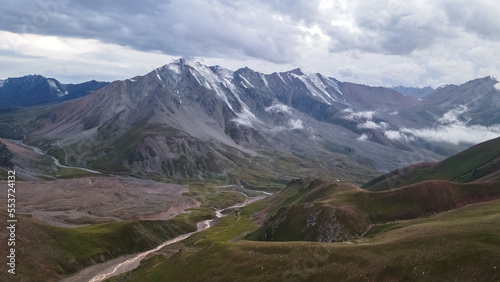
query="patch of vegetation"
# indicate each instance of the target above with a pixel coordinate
(461, 245)
(210, 196)
(464, 167)
(233, 227)
(71, 249)
(8, 132)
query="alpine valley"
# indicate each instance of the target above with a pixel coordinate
(367, 184)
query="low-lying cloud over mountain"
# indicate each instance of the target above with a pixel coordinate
(449, 128)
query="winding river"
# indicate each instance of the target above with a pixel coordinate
(128, 263)
(56, 161)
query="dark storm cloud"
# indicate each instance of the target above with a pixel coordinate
(181, 28)
(417, 42)
(260, 29)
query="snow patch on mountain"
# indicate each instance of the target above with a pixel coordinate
(315, 86)
(158, 75)
(53, 85)
(175, 68)
(247, 82)
(263, 77)
(282, 79)
(220, 81)
(2, 82)
(224, 73)
(332, 83)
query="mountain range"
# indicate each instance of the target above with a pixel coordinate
(430, 229)
(34, 90)
(416, 92)
(95, 178)
(188, 120)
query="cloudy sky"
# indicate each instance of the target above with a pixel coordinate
(425, 42)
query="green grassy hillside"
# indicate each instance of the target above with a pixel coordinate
(479, 163)
(65, 251)
(325, 211)
(458, 245)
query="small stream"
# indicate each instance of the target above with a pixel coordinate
(56, 161)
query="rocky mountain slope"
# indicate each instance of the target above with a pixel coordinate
(188, 120)
(475, 102)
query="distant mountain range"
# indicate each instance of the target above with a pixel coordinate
(34, 90)
(188, 120)
(414, 91)
(232, 137)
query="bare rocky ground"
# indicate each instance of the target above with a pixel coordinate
(92, 200)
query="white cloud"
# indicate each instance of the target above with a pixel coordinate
(363, 137)
(367, 116)
(73, 60)
(450, 129)
(457, 133)
(278, 107)
(296, 124)
(292, 125)
(352, 115)
(373, 125)
(453, 115)
(398, 136)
